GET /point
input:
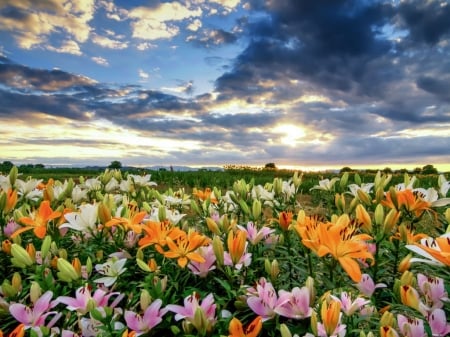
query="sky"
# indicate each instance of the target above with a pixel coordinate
(299, 83)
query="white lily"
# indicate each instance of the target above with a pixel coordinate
(84, 221)
(365, 187)
(432, 196)
(112, 268)
(325, 184)
(444, 185)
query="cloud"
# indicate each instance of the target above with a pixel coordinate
(33, 23)
(68, 47)
(212, 37)
(195, 25)
(143, 75)
(100, 60)
(152, 23)
(106, 42)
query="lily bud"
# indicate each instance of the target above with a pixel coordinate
(6, 246)
(218, 250)
(309, 283)
(363, 216)
(104, 213)
(339, 201)
(145, 299)
(379, 215)
(162, 213)
(447, 217)
(387, 319)
(284, 331)
(31, 251)
(20, 257)
(256, 209)
(195, 208)
(285, 219)
(8, 290)
(405, 264)
(297, 179)
(364, 197)
(409, 296)
(62, 253)
(77, 265)
(35, 292)
(244, 207)
(343, 181)
(66, 272)
(13, 173)
(88, 265)
(16, 282)
(45, 247)
(11, 200)
(379, 194)
(212, 226)
(407, 278)
(390, 221)
(272, 268)
(357, 179)
(393, 195)
(140, 254)
(314, 322)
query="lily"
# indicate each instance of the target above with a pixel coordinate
(435, 250)
(152, 316)
(433, 289)
(84, 221)
(331, 320)
(348, 306)
(203, 268)
(325, 184)
(294, 304)
(438, 323)
(252, 330)
(263, 299)
(253, 234)
(38, 221)
(411, 327)
(35, 316)
(184, 248)
(367, 287)
(112, 268)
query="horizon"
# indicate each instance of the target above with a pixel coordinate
(303, 83)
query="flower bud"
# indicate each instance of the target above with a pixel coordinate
(364, 197)
(77, 265)
(20, 257)
(387, 319)
(379, 215)
(284, 331)
(45, 247)
(218, 250)
(6, 246)
(339, 201)
(13, 173)
(16, 282)
(314, 322)
(363, 216)
(35, 292)
(407, 278)
(390, 221)
(256, 209)
(379, 194)
(62, 253)
(244, 207)
(104, 213)
(285, 219)
(145, 299)
(11, 200)
(212, 226)
(297, 179)
(405, 263)
(162, 213)
(272, 268)
(88, 265)
(66, 272)
(8, 290)
(309, 283)
(31, 251)
(409, 296)
(277, 186)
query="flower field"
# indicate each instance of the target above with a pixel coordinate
(114, 255)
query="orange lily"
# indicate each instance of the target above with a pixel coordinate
(133, 221)
(157, 234)
(407, 199)
(285, 219)
(306, 227)
(11, 200)
(438, 248)
(406, 234)
(205, 195)
(19, 331)
(340, 241)
(252, 330)
(184, 248)
(330, 314)
(38, 222)
(388, 331)
(236, 245)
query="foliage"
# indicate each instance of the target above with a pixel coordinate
(200, 254)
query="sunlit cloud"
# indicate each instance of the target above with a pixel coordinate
(68, 47)
(108, 43)
(100, 60)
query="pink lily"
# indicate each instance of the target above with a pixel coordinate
(203, 268)
(35, 316)
(367, 287)
(192, 309)
(263, 299)
(348, 306)
(433, 289)
(438, 323)
(253, 234)
(84, 302)
(411, 327)
(143, 323)
(294, 304)
(244, 260)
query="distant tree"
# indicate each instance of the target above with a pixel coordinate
(270, 166)
(39, 166)
(429, 169)
(6, 166)
(345, 169)
(387, 170)
(417, 170)
(115, 164)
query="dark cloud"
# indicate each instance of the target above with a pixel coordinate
(435, 86)
(212, 38)
(427, 21)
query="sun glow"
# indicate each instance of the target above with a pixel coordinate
(289, 134)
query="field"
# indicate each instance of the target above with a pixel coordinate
(237, 253)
